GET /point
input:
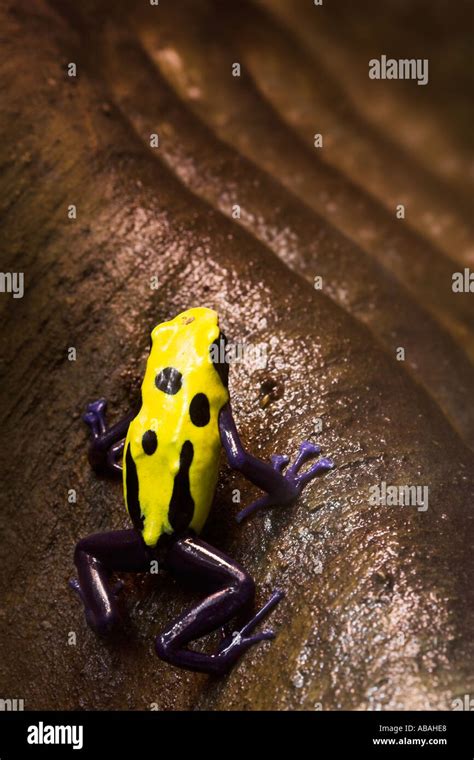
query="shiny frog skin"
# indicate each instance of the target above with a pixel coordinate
(173, 445)
(170, 451)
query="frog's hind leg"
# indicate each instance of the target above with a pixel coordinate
(106, 444)
(231, 590)
(96, 557)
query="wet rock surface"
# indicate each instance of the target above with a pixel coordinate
(378, 611)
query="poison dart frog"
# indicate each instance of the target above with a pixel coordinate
(170, 454)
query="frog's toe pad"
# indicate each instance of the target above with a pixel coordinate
(94, 417)
(307, 451)
(318, 468)
(97, 407)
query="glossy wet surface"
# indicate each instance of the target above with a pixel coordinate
(378, 610)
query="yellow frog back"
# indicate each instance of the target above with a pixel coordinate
(172, 448)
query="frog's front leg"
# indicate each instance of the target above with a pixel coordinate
(232, 590)
(281, 488)
(106, 444)
(96, 557)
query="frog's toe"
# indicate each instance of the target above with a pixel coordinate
(238, 637)
(97, 407)
(91, 420)
(308, 450)
(322, 465)
(279, 461)
(227, 656)
(94, 417)
(267, 635)
(261, 503)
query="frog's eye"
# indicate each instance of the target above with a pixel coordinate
(169, 380)
(218, 356)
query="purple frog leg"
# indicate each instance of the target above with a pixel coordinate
(281, 488)
(106, 446)
(96, 557)
(234, 590)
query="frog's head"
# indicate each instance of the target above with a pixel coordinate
(202, 317)
(190, 340)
